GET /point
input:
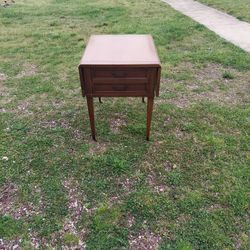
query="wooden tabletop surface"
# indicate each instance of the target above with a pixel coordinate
(120, 50)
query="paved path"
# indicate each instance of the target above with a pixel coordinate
(226, 26)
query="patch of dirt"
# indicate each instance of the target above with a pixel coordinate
(4, 91)
(77, 134)
(241, 241)
(210, 72)
(3, 77)
(130, 221)
(117, 122)
(182, 219)
(126, 184)
(7, 196)
(10, 206)
(75, 205)
(145, 240)
(167, 120)
(214, 207)
(237, 244)
(181, 102)
(156, 184)
(25, 210)
(28, 70)
(23, 108)
(97, 148)
(3, 110)
(48, 124)
(152, 151)
(58, 104)
(179, 133)
(10, 244)
(76, 208)
(36, 242)
(116, 199)
(7, 3)
(54, 124)
(169, 166)
(193, 87)
(208, 84)
(6, 96)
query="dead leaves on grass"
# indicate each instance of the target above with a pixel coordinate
(10, 206)
(3, 77)
(28, 70)
(75, 208)
(7, 3)
(117, 122)
(7, 194)
(4, 92)
(157, 184)
(97, 148)
(144, 240)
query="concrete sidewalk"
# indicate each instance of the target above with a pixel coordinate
(226, 26)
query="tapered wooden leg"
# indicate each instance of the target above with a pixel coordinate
(100, 99)
(143, 100)
(149, 115)
(91, 116)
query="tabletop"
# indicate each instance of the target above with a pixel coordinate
(120, 50)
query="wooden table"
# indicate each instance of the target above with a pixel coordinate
(120, 66)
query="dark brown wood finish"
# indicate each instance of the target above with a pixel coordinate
(91, 116)
(149, 115)
(120, 66)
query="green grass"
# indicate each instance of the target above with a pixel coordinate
(239, 8)
(228, 75)
(188, 186)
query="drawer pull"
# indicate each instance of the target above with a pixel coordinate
(120, 88)
(119, 74)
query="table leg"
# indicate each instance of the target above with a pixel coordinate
(149, 115)
(91, 116)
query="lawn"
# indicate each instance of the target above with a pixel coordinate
(187, 188)
(240, 8)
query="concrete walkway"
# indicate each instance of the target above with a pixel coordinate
(226, 26)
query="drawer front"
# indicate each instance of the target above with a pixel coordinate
(119, 73)
(119, 87)
(119, 81)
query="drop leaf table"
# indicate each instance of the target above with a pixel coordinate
(120, 66)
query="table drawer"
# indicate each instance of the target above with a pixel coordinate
(119, 73)
(119, 88)
(119, 80)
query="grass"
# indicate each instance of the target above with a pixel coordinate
(228, 75)
(239, 9)
(188, 188)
